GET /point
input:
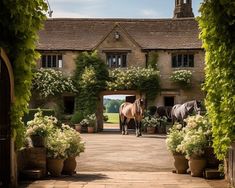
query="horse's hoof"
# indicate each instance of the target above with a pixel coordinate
(127, 133)
(123, 133)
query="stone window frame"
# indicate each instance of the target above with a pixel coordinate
(52, 60)
(182, 60)
(116, 59)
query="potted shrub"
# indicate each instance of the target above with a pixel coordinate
(76, 146)
(174, 138)
(38, 128)
(57, 145)
(92, 123)
(150, 122)
(76, 119)
(197, 138)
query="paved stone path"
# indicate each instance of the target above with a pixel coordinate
(112, 160)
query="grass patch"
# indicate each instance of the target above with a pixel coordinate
(113, 117)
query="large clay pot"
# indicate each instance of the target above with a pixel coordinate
(181, 163)
(150, 130)
(55, 166)
(197, 166)
(38, 141)
(69, 166)
(78, 128)
(90, 129)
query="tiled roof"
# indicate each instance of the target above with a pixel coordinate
(85, 34)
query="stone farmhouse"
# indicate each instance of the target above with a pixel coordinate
(127, 42)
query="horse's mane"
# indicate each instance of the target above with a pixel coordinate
(137, 106)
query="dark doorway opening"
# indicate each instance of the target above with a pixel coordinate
(169, 101)
(5, 99)
(69, 104)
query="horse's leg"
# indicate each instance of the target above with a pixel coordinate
(136, 128)
(140, 131)
(126, 124)
(123, 119)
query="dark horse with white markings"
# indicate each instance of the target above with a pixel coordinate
(180, 112)
(129, 111)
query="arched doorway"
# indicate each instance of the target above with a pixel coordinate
(6, 87)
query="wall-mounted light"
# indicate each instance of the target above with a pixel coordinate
(117, 35)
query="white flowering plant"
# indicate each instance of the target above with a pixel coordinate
(174, 138)
(73, 138)
(57, 144)
(197, 136)
(50, 82)
(89, 121)
(150, 121)
(40, 125)
(182, 77)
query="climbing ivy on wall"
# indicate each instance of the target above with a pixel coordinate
(90, 76)
(19, 24)
(217, 24)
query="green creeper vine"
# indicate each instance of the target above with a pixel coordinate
(90, 76)
(217, 24)
(19, 24)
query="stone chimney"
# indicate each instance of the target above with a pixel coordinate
(183, 9)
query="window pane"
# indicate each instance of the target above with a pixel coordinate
(49, 61)
(119, 60)
(54, 61)
(191, 60)
(185, 60)
(179, 60)
(43, 60)
(173, 61)
(123, 60)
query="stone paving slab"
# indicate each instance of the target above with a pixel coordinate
(126, 180)
(112, 160)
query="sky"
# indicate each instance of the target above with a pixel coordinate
(116, 8)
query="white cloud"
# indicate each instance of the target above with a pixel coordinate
(149, 13)
(64, 14)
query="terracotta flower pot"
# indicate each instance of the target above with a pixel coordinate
(180, 163)
(197, 166)
(150, 130)
(55, 166)
(69, 166)
(90, 129)
(78, 128)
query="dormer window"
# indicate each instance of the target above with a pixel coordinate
(51, 61)
(115, 60)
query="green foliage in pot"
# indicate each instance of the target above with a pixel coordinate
(150, 121)
(77, 117)
(19, 34)
(217, 25)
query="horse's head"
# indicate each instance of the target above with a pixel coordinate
(140, 105)
(197, 106)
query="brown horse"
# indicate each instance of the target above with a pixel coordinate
(129, 111)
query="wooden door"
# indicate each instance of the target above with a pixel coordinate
(5, 98)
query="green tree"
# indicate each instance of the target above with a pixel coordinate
(113, 106)
(19, 25)
(217, 24)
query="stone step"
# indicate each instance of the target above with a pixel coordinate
(34, 174)
(211, 173)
